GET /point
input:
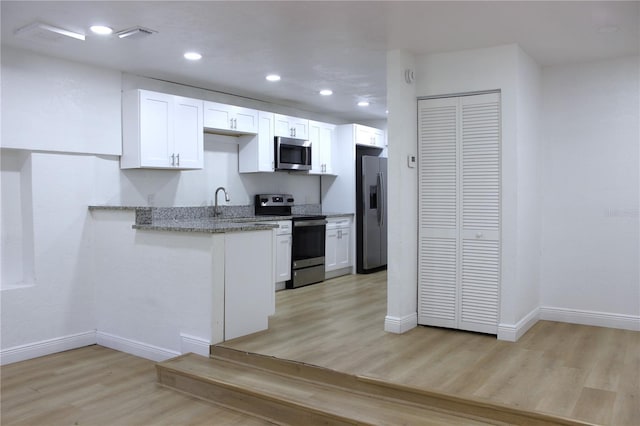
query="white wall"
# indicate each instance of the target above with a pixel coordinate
(402, 129)
(590, 190)
(56, 105)
(47, 288)
(57, 300)
(510, 70)
(528, 195)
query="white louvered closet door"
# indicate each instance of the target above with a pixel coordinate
(438, 205)
(459, 276)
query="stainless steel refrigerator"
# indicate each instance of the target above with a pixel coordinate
(371, 211)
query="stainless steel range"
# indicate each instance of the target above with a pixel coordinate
(309, 231)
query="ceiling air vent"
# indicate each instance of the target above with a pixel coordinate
(40, 31)
(135, 33)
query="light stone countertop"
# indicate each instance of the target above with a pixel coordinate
(200, 219)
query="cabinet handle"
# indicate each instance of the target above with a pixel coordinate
(235, 123)
(173, 159)
(178, 157)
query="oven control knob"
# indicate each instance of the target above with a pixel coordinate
(289, 200)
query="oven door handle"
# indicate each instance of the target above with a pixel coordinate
(314, 222)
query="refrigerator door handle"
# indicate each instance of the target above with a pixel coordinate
(378, 195)
(383, 200)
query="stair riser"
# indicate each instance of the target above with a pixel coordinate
(387, 390)
(278, 411)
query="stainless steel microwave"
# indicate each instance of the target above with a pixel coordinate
(292, 154)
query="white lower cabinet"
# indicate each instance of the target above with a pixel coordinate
(283, 256)
(282, 241)
(338, 259)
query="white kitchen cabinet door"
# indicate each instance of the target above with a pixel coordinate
(368, 136)
(321, 136)
(330, 251)
(338, 244)
(459, 212)
(161, 131)
(188, 133)
(256, 153)
(291, 127)
(283, 258)
(155, 143)
(230, 119)
(343, 249)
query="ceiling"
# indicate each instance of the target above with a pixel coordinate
(317, 44)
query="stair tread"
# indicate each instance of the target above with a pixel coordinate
(322, 397)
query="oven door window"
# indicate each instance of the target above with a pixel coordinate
(308, 242)
(291, 154)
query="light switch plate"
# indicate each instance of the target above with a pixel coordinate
(411, 161)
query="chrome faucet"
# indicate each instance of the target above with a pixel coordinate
(216, 211)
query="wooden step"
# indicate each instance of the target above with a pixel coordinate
(289, 392)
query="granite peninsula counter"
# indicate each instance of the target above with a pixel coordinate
(202, 219)
(178, 280)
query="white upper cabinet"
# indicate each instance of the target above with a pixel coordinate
(291, 127)
(321, 136)
(161, 131)
(256, 153)
(230, 119)
(368, 136)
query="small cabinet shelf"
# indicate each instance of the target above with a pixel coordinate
(291, 127)
(368, 136)
(230, 119)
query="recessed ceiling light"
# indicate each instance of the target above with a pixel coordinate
(193, 56)
(273, 77)
(326, 92)
(101, 29)
(363, 103)
(608, 29)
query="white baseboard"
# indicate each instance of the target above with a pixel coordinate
(513, 332)
(400, 325)
(133, 347)
(599, 319)
(194, 344)
(47, 347)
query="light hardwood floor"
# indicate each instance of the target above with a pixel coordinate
(581, 372)
(586, 373)
(100, 386)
